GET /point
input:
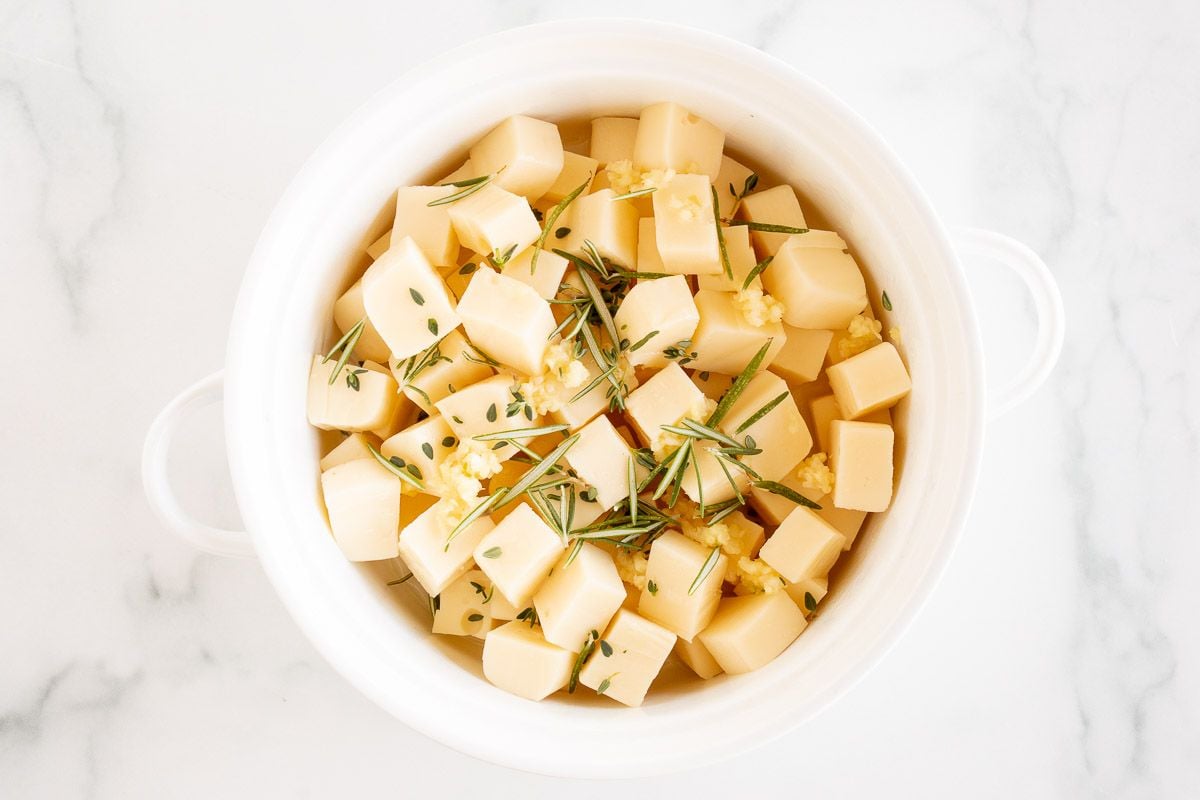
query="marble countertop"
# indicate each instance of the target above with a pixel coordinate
(142, 145)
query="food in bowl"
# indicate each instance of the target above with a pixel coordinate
(580, 397)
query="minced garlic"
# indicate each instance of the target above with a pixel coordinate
(894, 335)
(460, 478)
(550, 390)
(861, 335)
(814, 474)
(631, 566)
(758, 309)
(624, 177)
(664, 442)
(755, 576)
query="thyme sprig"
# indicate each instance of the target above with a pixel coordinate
(725, 263)
(551, 218)
(345, 346)
(589, 644)
(400, 472)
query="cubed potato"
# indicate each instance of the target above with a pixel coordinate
(664, 399)
(774, 508)
(453, 366)
(595, 401)
(636, 651)
(803, 546)
(429, 226)
(378, 247)
(493, 221)
(423, 546)
(483, 408)
(741, 261)
(803, 354)
(824, 409)
(407, 301)
(611, 226)
(347, 311)
(577, 171)
(404, 413)
(341, 406)
(681, 601)
(671, 137)
(684, 231)
(730, 182)
(713, 384)
(601, 459)
(714, 484)
(821, 288)
(422, 446)
(696, 656)
(463, 607)
(870, 381)
(861, 457)
(363, 501)
(352, 448)
(510, 317)
(517, 659)
(654, 316)
(781, 433)
(724, 341)
(613, 139)
(648, 259)
(518, 554)
(817, 238)
(544, 276)
(579, 597)
(749, 632)
(524, 154)
(809, 591)
(848, 521)
(502, 610)
(775, 206)
(463, 173)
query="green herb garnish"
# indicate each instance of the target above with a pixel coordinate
(705, 569)
(783, 491)
(346, 346)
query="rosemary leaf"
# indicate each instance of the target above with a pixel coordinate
(739, 385)
(537, 470)
(402, 474)
(551, 218)
(754, 273)
(347, 344)
(709, 563)
(716, 206)
(520, 433)
(783, 491)
(767, 227)
(762, 412)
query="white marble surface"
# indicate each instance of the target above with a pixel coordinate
(142, 145)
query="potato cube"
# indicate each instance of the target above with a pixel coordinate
(517, 659)
(352, 448)
(579, 597)
(677, 596)
(825, 409)
(684, 231)
(803, 354)
(423, 546)
(749, 632)
(492, 221)
(579, 412)
(861, 457)
(406, 300)
(510, 316)
(869, 381)
(713, 384)
(422, 446)
(774, 508)
(463, 173)
(613, 139)
(429, 226)
(807, 593)
(347, 311)
(655, 315)
(378, 247)
(577, 170)
(724, 341)
(696, 656)
(848, 521)
(665, 399)
(820, 288)
(601, 459)
(341, 406)
(518, 554)
(545, 276)
(501, 610)
(484, 408)
(611, 227)
(363, 501)
(803, 546)
(524, 154)
(404, 413)
(671, 137)
(741, 261)
(781, 433)
(714, 484)
(818, 238)
(730, 182)
(463, 606)
(427, 379)
(636, 651)
(775, 206)
(648, 259)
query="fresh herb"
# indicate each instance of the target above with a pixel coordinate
(783, 491)
(575, 548)
(431, 323)
(493, 552)
(589, 494)
(725, 263)
(402, 473)
(634, 193)
(449, 441)
(606, 649)
(592, 384)
(768, 227)
(762, 412)
(491, 413)
(604, 684)
(466, 188)
(519, 433)
(810, 602)
(352, 378)
(739, 385)
(748, 186)
(467, 268)
(457, 418)
(478, 356)
(551, 218)
(562, 233)
(589, 644)
(427, 449)
(707, 567)
(474, 617)
(887, 302)
(417, 297)
(486, 594)
(754, 273)
(640, 343)
(529, 615)
(498, 259)
(536, 471)
(345, 346)
(681, 351)
(652, 587)
(474, 514)
(399, 581)
(631, 478)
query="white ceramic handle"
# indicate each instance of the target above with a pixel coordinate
(157, 483)
(972, 244)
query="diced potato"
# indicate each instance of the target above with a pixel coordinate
(671, 137)
(429, 226)
(676, 596)
(714, 485)
(684, 232)
(510, 316)
(339, 406)
(724, 341)
(463, 173)
(518, 554)
(578, 598)
(825, 409)
(463, 606)
(524, 154)
(803, 546)
(444, 372)
(713, 384)
(363, 501)
(741, 261)
(613, 139)
(422, 446)
(817, 238)
(775, 206)
(655, 315)
(749, 632)
(774, 508)
(821, 288)
(802, 355)
(577, 170)
(493, 221)
(502, 610)
(544, 276)
(352, 448)
(611, 226)
(517, 659)
(424, 548)
(730, 183)
(801, 592)
(404, 413)
(406, 300)
(872, 380)
(861, 457)
(483, 408)
(632, 660)
(781, 433)
(663, 400)
(347, 311)
(601, 459)
(648, 259)
(696, 656)
(848, 521)
(380, 245)
(595, 401)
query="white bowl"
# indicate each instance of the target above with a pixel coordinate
(773, 116)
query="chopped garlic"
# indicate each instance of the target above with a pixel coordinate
(624, 177)
(734, 540)
(894, 335)
(460, 478)
(665, 442)
(687, 209)
(631, 566)
(814, 474)
(758, 309)
(755, 576)
(561, 372)
(861, 335)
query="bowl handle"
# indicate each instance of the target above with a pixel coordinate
(974, 244)
(157, 484)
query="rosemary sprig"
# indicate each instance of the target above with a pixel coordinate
(739, 385)
(551, 218)
(673, 475)
(475, 513)
(728, 267)
(480, 356)
(402, 474)
(754, 273)
(575, 548)
(466, 188)
(519, 433)
(640, 343)
(599, 379)
(768, 227)
(399, 581)
(783, 491)
(536, 471)
(589, 644)
(635, 193)
(762, 412)
(705, 569)
(606, 318)
(346, 345)
(748, 186)
(631, 477)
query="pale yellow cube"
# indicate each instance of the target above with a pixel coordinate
(781, 433)
(545, 276)
(577, 171)
(518, 554)
(648, 259)
(684, 231)
(803, 354)
(429, 226)
(655, 315)
(714, 484)
(730, 183)
(821, 288)
(434, 559)
(363, 502)
(635, 652)
(611, 226)
(347, 312)
(713, 384)
(818, 238)
(774, 508)
(803, 546)
(524, 154)
(725, 341)
(453, 366)
(493, 221)
(404, 413)
(601, 459)
(807, 593)
(681, 601)
(378, 247)
(775, 206)
(517, 659)
(870, 381)
(861, 457)
(741, 261)
(613, 139)
(501, 610)
(341, 406)
(464, 173)
(671, 137)
(482, 408)
(825, 409)
(352, 448)
(508, 318)
(664, 399)
(463, 606)
(750, 632)
(697, 658)
(577, 413)
(579, 597)
(422, 447)
(407, 301)
(848, 521)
